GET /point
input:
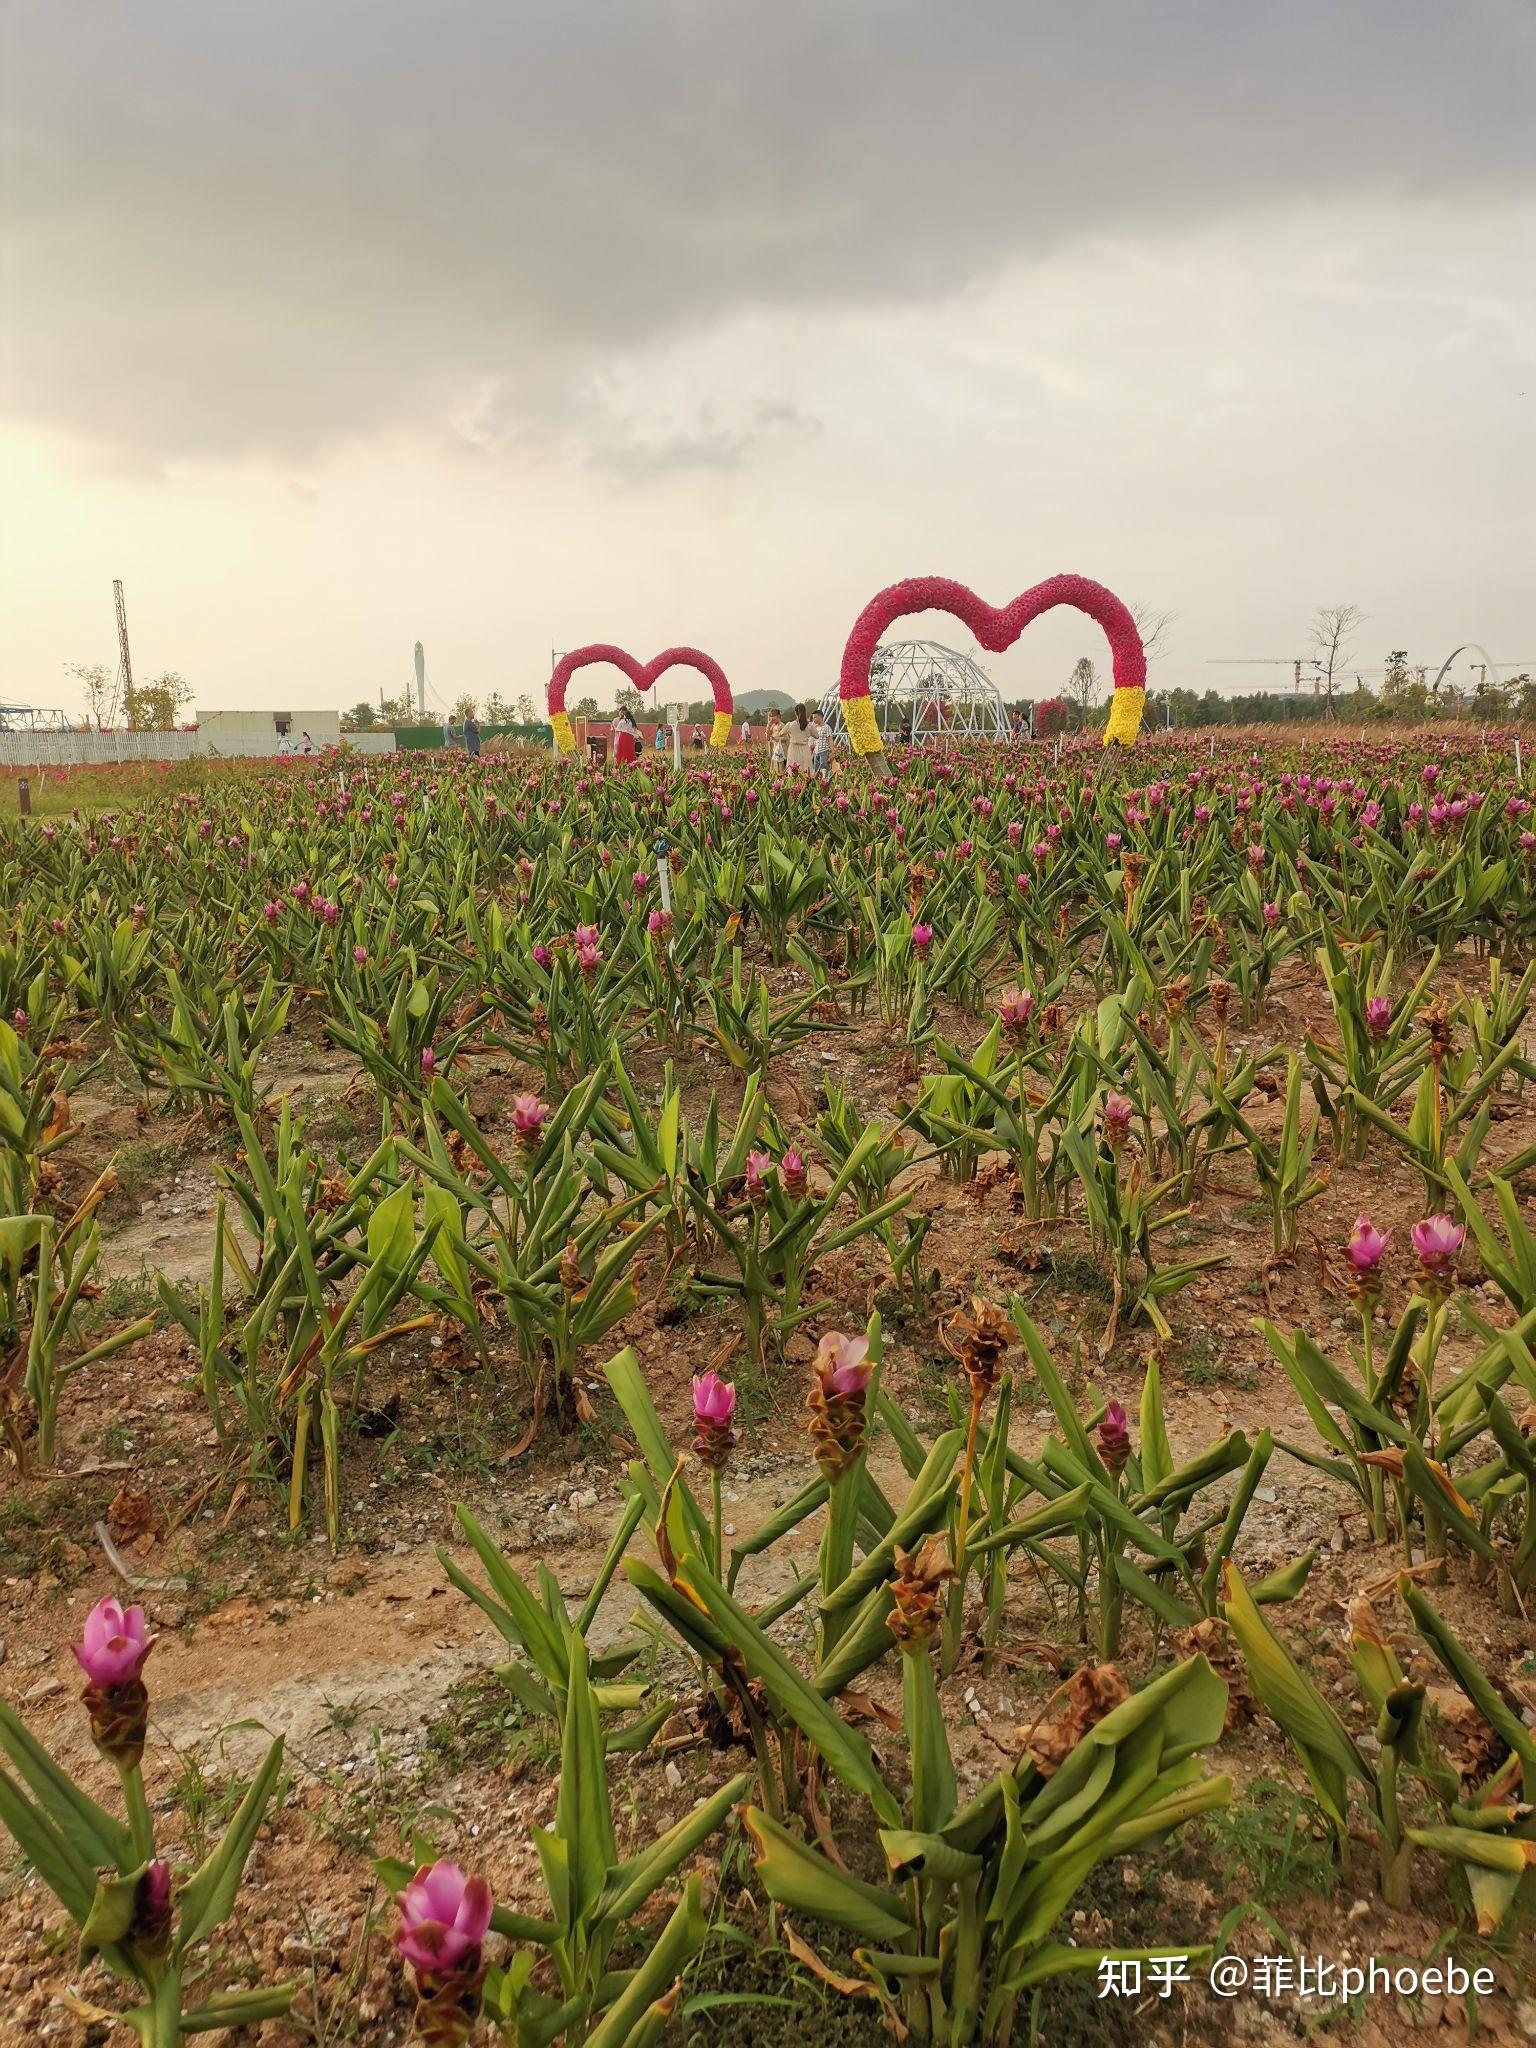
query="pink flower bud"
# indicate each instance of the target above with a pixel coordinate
(792, 1173)
(1367, 1244)
(922, 938)
(114, 1644)
(1114, 1437)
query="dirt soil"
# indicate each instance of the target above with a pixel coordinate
(377, 1672)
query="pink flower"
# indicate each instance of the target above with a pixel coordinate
(360, 955)
(1116, 1115)
(588, 959)
(641, 881)
(1271, 913)
(922, 937)
(759, 1164)
(269, 912)
(792, 1173)
(1016, 1006)
(542, 956)
(114, 1644)
(428, 1063)
(585, 935)
(659, 923)
(1378, 1016)
(444, 1916)
(528, 1115)
(1437, 1240)
(842, 1363)
(1367, 1244)
(714, 1400)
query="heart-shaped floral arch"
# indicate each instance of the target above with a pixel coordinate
(642, 674)
(995, 629)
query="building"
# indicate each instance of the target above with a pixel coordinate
(268, 732)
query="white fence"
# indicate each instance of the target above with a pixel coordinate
(95, 749)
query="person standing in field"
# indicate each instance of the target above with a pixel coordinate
(448, 730)
(821, 745)
(799, 746)
(626, 738)
(746, 732)
(471, 734)
(776, 739)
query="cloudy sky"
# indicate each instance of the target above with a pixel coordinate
(510, 324)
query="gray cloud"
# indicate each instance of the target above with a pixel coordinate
(262, 228)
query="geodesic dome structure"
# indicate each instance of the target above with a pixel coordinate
(932, 690)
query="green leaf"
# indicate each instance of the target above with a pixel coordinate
(1327, 1751)
(239, 2009)
(633, 1882)
(95, 1838)
(208, 1897)
(801, 1878)
(841, 1747)
(680, 1940)
(107, 1923)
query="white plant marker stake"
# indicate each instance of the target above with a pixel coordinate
(677, 742)
(1519, 773)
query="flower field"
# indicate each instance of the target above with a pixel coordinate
(692, 1405)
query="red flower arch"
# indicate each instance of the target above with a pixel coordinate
(642, 675)
(996, 630)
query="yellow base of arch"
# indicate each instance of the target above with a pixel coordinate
(863, 732)
(1125, 709)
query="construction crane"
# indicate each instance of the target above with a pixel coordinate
(1294, 662)
(124, 691)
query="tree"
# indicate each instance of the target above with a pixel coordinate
(361, 718)
(1083, 684)
(99, 686)
(525, 711)
(628, 700)
(1333, 628)
(584, 707)
(1490, 702)
(1153, 626)
(463, 707)
(1403, 695)
(156, 704)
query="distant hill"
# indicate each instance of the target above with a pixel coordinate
(749, 703)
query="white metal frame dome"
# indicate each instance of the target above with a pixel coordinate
(936, 691)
